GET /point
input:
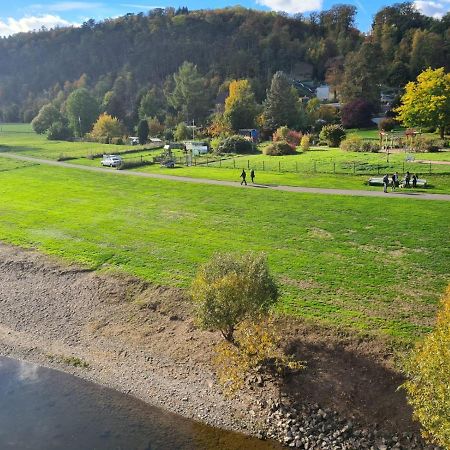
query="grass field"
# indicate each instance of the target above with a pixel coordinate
(368, 264)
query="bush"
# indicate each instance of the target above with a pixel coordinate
(387, 124)
(332, 135)
(231, 288)
(305, 142)
(356, 144)
(427, 144)
(280, 134)
(235, 144)
(59, 132)
(278, 149)
(284, 134)
(357, 114)
(116, 141)
(427, 370)
(258, 349)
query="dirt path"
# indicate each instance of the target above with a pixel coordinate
(351, 192)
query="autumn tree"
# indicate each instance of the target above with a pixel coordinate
(231, 288)
(427, 370)
(426, 102)
(280, 106)
(82, 111)
(106, 126)
(240, 106)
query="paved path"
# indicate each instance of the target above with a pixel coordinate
(308, 190)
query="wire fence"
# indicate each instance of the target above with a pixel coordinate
(327, 167)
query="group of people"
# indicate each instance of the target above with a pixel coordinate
(394, 181)
(244, 176)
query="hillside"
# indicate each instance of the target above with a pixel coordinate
(137, 52)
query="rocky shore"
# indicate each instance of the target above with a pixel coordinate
(141, 340)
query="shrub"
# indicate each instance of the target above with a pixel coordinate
(278, 149)
(235, 144)
(284, 134)
(387, 124)
(116, 140)
(59, 132)
(427, 144)
(231, 288)
(357, 114)
(258, 349)
(332, 135)
(280, 134)
(356, 144)
(427, 370)
(305, 142)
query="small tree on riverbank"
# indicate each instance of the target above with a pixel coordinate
(231, 288)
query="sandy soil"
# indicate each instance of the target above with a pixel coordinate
(141, 340)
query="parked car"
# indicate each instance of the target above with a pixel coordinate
(111, 160)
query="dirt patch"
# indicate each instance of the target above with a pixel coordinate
(141, 339)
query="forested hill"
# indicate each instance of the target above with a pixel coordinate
(138, 52)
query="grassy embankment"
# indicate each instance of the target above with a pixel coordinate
(369, 264)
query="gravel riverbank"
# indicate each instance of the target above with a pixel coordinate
(141, 340)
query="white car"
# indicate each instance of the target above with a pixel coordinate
(111, 160)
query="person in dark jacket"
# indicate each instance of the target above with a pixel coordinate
(243, 176)
(385, 182)
(414, 180)
(252, 175)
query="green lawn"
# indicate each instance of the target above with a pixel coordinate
(370, 264)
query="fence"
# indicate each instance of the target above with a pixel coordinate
(326, 167)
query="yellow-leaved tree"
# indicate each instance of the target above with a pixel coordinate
(240, 106)
(106, 127)
(428, 379)
(426, 102)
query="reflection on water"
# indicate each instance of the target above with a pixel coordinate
(43, 409)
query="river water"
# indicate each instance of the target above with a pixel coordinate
(43, 409)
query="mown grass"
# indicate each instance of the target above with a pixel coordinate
(370, 264)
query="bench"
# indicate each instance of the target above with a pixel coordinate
(378, 181)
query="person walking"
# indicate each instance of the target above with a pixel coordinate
(393, 181)
(414, 180)
(385, 183)
(243, 176)
(252, 176)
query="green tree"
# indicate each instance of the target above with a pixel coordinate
(142, 131)
(82, 111)
(240, 106)
(362, 75)
(47, 115)
(426, 51)
(151, 104)
(231, 288)
(190, 95)
(59, 131)
(426, 102)
(280, 106)
(428, 388)
(181, 132)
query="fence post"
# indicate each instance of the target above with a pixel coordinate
(234, 163)
(279, 166)
(354, 167)
(430, 168)
(334, 167)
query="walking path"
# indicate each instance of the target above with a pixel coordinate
(308, 190)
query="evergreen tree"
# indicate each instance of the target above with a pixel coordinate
(142, 131)
(280, 106)
(190, 95)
